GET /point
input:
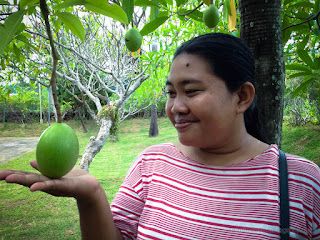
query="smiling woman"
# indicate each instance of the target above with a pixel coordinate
(219, 181)
(201, 107)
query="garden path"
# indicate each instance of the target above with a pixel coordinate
(12, 147)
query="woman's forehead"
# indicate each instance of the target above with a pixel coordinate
(189, 67)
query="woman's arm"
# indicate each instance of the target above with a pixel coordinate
(96, 220)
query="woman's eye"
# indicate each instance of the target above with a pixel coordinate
(170, 93)
(190, 91)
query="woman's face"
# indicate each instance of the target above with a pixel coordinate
(199, 104)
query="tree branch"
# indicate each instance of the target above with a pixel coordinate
(45, 14)
(182, 15)
(313, 17)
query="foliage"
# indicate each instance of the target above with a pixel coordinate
(302, 108)
(169, 23)
(301, 32)
(23, 99)
(297, 111)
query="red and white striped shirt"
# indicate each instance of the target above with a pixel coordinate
(167, 195)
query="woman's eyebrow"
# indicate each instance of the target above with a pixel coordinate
(183, 82)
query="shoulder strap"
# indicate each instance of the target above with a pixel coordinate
(284, 196)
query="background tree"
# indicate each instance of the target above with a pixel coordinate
(255, 25)
(98, 68)
(261, 29)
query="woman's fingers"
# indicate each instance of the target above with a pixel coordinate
(4, 174)
(77, 183)
(55, 187)
(22, 178)
(33, 164)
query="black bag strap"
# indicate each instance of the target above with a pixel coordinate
(284, 196)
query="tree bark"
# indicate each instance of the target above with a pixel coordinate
(95, 144)
(261, 30)
(4, 112)
(154, 130)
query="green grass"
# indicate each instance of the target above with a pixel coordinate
(26, 215)
(303, 141)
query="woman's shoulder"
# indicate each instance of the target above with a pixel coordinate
(157, 151)
(161, 147)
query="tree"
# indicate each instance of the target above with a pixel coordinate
(97, 72)
(261, 29)
(256, 27)
(301, 25)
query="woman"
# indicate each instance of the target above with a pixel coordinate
(220, 181)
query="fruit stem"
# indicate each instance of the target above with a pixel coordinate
(45, 14)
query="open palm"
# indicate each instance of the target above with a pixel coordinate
(77, 183)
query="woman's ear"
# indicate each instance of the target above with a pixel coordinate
(246, 94)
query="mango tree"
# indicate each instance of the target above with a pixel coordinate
(255, 25)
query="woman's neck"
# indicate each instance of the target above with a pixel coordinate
(249, 147)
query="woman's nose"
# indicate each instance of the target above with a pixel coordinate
(179, 106)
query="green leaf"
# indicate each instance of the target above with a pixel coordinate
(73, 23)
(25, 3)
(145, 3)
(196, 15)
(9, 29)
(287, 32)
(170, 2)
(302, 14)
(16, 51)
(4, 2)
(316, 6)
(3, 65)
(128, 6)
(227, 5)
(163, 2)
(22, 38)
(301, 45)
(298, 67)
(180, 2)
(69, 3)
(153, 25)
(154, 12)
(316, 31)
(103, 7)
(302, 4)
(57, 26)
(302, 87)
(303, 54)
(316, 63)
(299, 74)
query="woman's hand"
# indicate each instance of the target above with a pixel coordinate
(77, 183)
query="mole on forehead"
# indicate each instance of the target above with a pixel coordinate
(187, 64)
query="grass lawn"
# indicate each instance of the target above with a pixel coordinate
(26, 215)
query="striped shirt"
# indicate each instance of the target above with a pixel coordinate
(167, 195)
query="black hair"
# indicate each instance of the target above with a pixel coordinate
(230, 59)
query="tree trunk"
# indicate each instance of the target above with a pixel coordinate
(95, 144)
(153, 130)
(4, 112)
(261, 30)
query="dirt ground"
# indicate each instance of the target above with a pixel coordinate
(12, 147)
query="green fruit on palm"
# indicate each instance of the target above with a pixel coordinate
(57, 150)
(211, 16)
(133, 39)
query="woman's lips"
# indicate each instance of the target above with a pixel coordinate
(182, 125)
